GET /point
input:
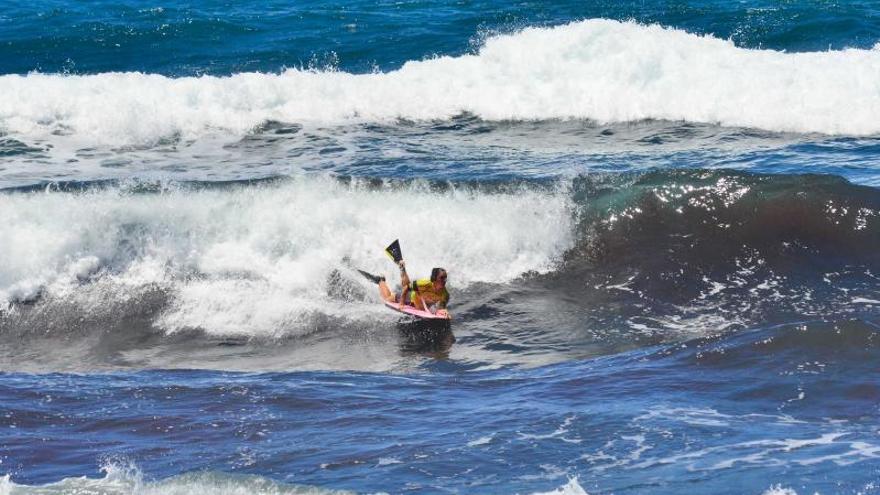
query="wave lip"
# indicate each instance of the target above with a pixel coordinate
(601, 70)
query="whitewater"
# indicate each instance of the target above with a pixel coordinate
(599, 70)
(256, 260)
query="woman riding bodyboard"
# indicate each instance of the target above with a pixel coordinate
(429, 294)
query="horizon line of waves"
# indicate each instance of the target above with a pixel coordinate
(599, 70)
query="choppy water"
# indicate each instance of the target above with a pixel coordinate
(661, 224)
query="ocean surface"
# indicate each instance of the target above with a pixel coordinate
(661, 223)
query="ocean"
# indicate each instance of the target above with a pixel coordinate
(660, 220)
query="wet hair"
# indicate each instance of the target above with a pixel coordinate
(435, 272)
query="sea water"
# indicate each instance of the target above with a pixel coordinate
(661, 224)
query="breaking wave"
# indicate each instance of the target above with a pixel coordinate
(264, 259)
(601, 70)
(589, 265)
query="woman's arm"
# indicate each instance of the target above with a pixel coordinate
(404, 283)
(404, 278)
(441, 305)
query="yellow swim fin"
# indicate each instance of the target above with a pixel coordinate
(393, 251)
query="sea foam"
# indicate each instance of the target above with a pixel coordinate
(601, 70)
(128, 479)
(570, 488)
(259, 260)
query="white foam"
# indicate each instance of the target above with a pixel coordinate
(570, 488)
(129, 480)
(558, 434)
(484, 440)
(779, 490)
(6, 485)
(256, 260)
(864, 300)
(596, 69)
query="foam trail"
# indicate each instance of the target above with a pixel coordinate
(779, 490)
(255, 260)
(128, 479)
(570, 488)
(597, 69)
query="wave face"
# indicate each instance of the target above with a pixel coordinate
(698, 235)
(560, 269)
(598, 70)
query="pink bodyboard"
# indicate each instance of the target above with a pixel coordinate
(412, 311)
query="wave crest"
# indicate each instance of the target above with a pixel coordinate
(601, 70)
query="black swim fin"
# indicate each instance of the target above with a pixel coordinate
(372, 278)
(393, 251)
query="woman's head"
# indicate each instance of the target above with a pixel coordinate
(438, 276)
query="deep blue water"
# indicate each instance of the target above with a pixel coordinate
(216, 37)
(659, 419)
(661, 223)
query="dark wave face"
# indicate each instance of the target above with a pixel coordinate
(744, 244)
(665, 256)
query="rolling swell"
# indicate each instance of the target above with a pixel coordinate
(250, 274)
(598, 70)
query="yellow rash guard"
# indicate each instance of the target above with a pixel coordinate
(424, 288)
